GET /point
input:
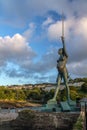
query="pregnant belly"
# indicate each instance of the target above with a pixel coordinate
(61, 66)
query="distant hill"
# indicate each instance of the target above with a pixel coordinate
(44, 85)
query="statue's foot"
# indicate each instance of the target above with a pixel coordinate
(71, 102)
(52, 101)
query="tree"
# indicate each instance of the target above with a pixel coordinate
(34, 94)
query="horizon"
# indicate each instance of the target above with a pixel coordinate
(62, 83)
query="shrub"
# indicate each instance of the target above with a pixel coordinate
(84, 87)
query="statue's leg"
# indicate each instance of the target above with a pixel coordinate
(57, 89)
(67, 87)
(53, 100)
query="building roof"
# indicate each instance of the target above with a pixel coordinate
(83, 100)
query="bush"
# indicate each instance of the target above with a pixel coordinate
(73, 88)
(34, 94)
(84, 87)
(73, 94)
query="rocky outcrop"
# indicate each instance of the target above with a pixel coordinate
(31, 120)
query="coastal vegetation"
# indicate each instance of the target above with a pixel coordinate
(40, 95)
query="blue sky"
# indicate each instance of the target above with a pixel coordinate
(30, 34)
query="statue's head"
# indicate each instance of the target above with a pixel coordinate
(60, 51)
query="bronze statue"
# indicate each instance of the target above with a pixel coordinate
(62, 74)
(62, 70)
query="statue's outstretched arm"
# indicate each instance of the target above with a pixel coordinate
(64, 48)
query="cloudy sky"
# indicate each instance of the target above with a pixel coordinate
(30, 32)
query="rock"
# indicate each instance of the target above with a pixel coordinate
(31, 120)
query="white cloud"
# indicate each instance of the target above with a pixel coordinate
(29, 32)
(15, 49)
(48, 21)
(55, 29)
(81, 27)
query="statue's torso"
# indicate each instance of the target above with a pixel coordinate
(61, 64)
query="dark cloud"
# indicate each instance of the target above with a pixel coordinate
(38, 71)
(20, 12)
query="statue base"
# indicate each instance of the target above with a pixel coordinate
(51, 106)
(65, 106)
(71, 102)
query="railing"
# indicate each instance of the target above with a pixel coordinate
(81, 121)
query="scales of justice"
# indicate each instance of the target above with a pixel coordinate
(67, 105)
